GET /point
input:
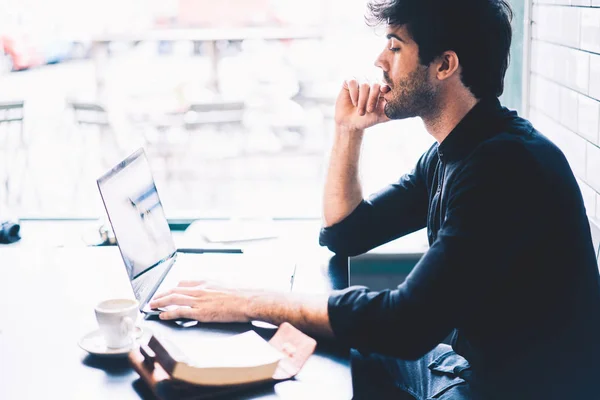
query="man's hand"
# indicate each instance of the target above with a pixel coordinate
(360, 105)
(203, 302)
(206, 302)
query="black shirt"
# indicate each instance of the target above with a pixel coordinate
(510, 272)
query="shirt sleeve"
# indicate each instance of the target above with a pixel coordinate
(468, 263)
(395, 211)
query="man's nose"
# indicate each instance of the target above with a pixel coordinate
(380, 63)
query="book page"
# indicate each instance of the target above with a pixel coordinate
(244, 350)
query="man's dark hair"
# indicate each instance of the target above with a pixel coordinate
(478, 31)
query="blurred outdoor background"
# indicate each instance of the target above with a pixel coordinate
(232, 101)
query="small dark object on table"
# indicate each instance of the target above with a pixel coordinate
(9, 232)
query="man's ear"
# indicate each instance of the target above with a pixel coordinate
(447, 65)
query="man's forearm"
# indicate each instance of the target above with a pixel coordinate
(306, 312)
(343, 192)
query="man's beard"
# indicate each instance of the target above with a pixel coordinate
(411, 97)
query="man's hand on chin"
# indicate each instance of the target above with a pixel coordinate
(360, 105)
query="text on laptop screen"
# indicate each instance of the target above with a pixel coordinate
(138, 221)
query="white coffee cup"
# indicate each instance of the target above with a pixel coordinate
(116, 319)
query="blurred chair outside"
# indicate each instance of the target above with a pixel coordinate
(215, 127)
(161, 128)
(94, 129)
(14, 150)
(95, 139)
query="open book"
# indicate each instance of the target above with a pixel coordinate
(222, 365)
(235, 360)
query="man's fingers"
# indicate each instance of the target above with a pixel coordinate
(162, 294)
(188, 291)
(374, 94)
(352, 85)
(170, 291)
(376, 107)
(363, 97)
(381, 109)
(185, 287)
(181, 312)
(175, 299)
(158, 296)
(191, 283)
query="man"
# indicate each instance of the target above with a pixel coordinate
(510, 274)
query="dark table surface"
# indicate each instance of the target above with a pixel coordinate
(51, 282)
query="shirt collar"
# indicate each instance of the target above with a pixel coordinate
(483, 121)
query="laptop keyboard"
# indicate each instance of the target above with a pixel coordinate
(230, 270)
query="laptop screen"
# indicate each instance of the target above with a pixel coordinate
(139, 223)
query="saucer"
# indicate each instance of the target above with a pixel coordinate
(94, 343)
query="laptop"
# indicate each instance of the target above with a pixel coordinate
(152, 261)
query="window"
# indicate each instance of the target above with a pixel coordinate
(233, 106)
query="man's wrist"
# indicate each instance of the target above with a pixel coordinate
(348, 137)
(309, 313)
(259, 305)
(349, 132)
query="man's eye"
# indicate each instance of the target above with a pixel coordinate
(394, 49)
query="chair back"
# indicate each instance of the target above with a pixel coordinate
(90, 114)
(11, 112)
(13, 146)
(215, 113)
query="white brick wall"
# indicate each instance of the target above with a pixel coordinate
(569, 104)
(590, 29)
(595, 75)
(593, 166)
(589, 196)
(587, 120)
(564, 85)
